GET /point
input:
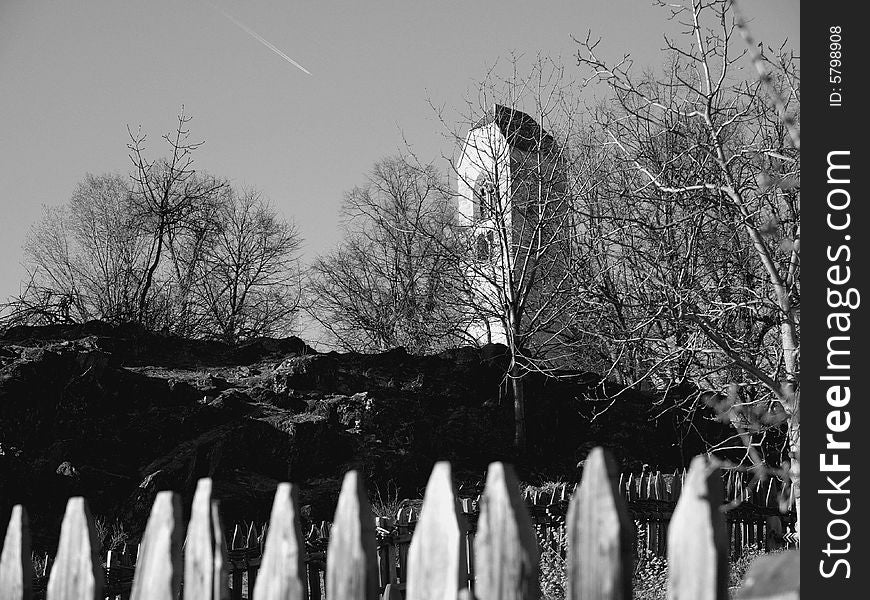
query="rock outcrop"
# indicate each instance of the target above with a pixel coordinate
(119, 413)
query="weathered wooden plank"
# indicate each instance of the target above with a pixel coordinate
(262, 538)
(314, 582)
(251, 540)
(385, 525)
(394, 562)
(652, 530)
(391, 592)
(506, 557)
(773, 577)
(204, 549)
(600, 535)
(221, 590)
(237, 537)
(159, 566)
(469, 549)
(658, 486)
(403, 538)
(729, 485)
(16, 568)
(676, 486)
(770, 496)
(351, 562)
(282, 571)
(738, 539)
(252, 544)
(697, 538)
(77, 573)
(437, 563)
(237, 574)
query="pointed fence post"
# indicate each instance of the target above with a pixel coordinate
(600, 535)
(676, 486)
(658, 487)
(283, 572)
(16, 568)
(437, 563)
(697, 538)
(391, 592)
(252, 550)
(351, 560)
(205, 549)
(221, 590)
(630, 491)
(159, 564)
(237, 573)
(506, 556)
(77, 573)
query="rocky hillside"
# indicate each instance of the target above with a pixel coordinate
(118, 413)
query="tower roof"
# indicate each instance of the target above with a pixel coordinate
(519, 129)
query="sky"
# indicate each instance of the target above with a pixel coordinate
(75, 73)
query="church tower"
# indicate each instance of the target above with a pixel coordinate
(512, 199)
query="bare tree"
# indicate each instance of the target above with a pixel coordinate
(172, 201)
(180, 251)
(694, 246)
(86, 258)
(516, 182)
(246, 282)
(390, 281)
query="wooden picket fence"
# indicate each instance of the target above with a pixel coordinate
(754, 519)
(756, 523)
(503, 554)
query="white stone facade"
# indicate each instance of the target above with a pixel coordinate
(492, 190)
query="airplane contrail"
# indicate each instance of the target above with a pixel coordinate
(259, 38)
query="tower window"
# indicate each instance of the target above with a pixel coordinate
(485, 245)
(482, 247)
(486, 197)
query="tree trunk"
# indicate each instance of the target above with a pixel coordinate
(149, 274)
(519, 408)
(794, 442)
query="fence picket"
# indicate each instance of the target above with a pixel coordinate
(351, 562)
(204, 554)
(221, 591)
(600, 535)
(437, 563)
(770, 496)
(283, 572)
(697, 538)
(253, 546)
(676, 487)
(506, 560)
(16, 567)
(77, 573)
(403, 540)
(391, 592)
(658, 487)
(238, 574)
(159, 565)
(630, 493)
(314, 582)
